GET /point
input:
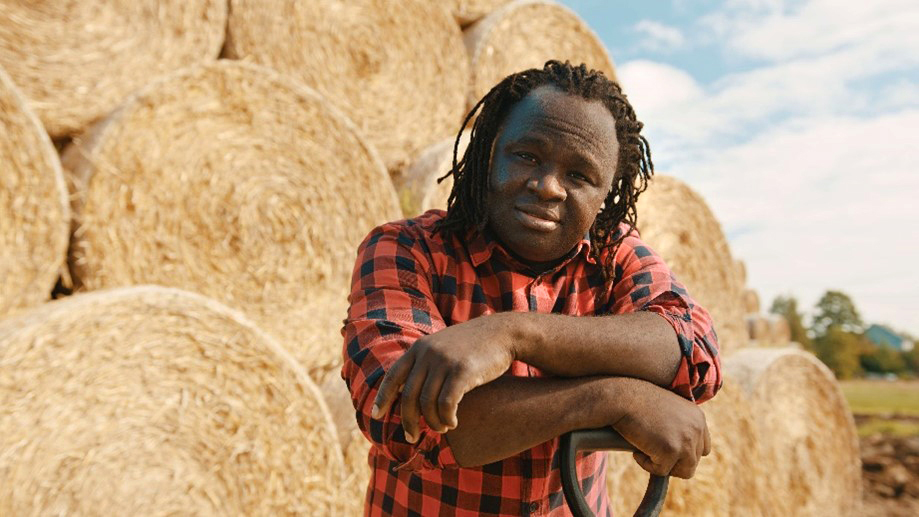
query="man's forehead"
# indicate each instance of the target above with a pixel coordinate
(550, 111)
(548, 104)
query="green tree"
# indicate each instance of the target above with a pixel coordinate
(787, 307)
(835, 308)
(884, 359)
(841, 351)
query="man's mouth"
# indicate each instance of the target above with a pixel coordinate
(536, 218)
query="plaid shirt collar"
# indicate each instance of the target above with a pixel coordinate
(482, 244)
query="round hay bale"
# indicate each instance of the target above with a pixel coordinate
(676, 222)
(76, 61)
(467, 12)
(726, 481)
(155, 401)
(806, 434)
(779, 329)
(758, 328)
(525, 34)
(229, 180)
(741, 271)
(751, 301)
(399, 72)
(355, 446)
(418, 188)
(34, 209)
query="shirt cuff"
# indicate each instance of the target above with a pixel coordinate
(681, 321)
(432, 452)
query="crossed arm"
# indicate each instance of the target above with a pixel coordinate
(621, 370)
(608, 371)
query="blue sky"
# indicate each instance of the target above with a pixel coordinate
(798, 121)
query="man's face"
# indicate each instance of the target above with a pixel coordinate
(552, 165)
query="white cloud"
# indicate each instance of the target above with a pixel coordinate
(807, 78)
(657, 87)
(656, 36)
(831, 205)
(776, 30)
(808, 159)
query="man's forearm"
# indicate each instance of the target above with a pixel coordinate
(641, 344)
(512, 414)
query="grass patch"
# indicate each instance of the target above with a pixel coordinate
(882, 397)
(888, 427)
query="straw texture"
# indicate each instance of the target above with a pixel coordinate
(676, 222)
(34, 210)
(806, 434)
(751, 301)
(76, 61)
(418, 188)
(155, 401)
(780, 329)
(741, 271)
(228, 180)
(758, 328)
(525, 34)
(469, 11)
(397, 68)
(353, 443)
(725, 483)
(768, 330)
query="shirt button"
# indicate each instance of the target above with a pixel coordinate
(534, 507)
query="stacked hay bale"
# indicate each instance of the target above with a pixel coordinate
(75, 61)
(229, 180)
(467, 12)
(725, 483)
(399, 73)
(154, 401)
(525, 34)
(418, 188)
(34, 209)
(751, 301)
(677, 223)
(354, 445)
(234, 181)
(768, 330)
(804, 430)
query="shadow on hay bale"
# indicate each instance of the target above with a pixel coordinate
(34, 206)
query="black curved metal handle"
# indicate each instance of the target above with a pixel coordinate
(602, 439)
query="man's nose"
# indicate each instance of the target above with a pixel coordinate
(547, 186)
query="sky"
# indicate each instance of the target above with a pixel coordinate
(798, 122)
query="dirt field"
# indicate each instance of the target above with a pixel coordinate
(887, 415)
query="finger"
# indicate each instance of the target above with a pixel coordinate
(684, 469)
(451, 393)
(430, 394)
(648, 464)
(411, 411)
(392, 383)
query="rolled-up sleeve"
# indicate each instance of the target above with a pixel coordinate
(391, 306)
(645, 283)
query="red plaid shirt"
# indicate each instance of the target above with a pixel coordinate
(409, 281)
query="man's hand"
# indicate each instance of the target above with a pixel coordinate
(440, 368)
(669, 431)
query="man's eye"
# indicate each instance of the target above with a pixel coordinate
(578, 176)
(525, 156)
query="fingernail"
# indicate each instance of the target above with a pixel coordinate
(410, 438)
(375, 412)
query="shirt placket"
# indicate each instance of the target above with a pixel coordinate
(535, 504)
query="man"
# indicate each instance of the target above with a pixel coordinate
(468, 349)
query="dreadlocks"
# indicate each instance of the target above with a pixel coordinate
(466, 204)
